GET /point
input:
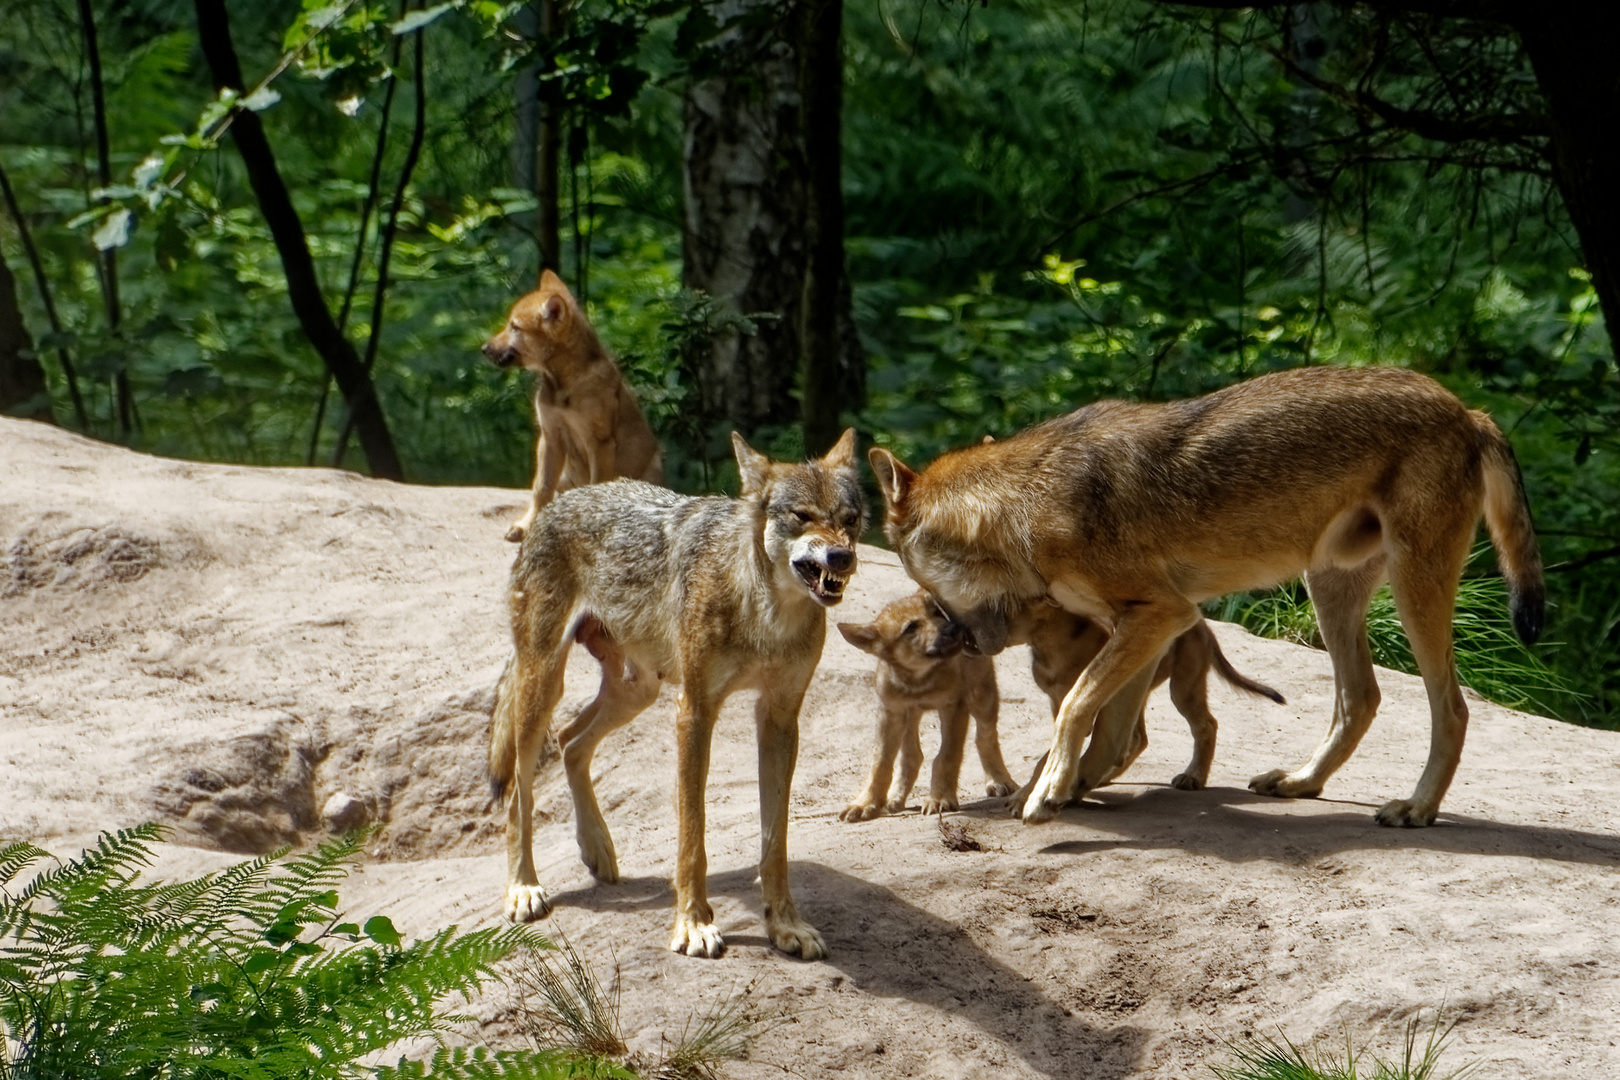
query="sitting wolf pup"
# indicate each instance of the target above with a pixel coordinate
(921, 667)
(714, 594)
(1137, 513)
(591, 429)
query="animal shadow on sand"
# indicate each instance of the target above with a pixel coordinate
(889, 948)
(1223, 822)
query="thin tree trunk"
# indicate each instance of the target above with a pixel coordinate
(744, 242)
(69, 375)
(386, 254)
(22, 381)
(1573, 58)
(303, 286)
(109, 257)
(834, 367)
(548, 146)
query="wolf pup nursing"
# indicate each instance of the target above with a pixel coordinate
(591, 429)
(714, 594)
(1134, 514)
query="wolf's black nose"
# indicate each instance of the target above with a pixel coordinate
(500, 357)
(840, 559)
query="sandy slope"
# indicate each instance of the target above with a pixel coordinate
(228, 648)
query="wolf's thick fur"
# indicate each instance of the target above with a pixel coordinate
(921, 667)
(1061, 644)
(713, 594)
(591, 429)
(1135, 514)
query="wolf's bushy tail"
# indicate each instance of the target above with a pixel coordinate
(1233, 677)
(1507, 516)
(503, 734)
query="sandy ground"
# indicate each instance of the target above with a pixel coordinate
(235, 651)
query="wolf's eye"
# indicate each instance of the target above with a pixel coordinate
(804, 518)
(911, 628)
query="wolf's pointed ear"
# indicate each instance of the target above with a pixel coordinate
(892, 476)
(751, 465)
(863, 636)
(550, 280)
(842, 455)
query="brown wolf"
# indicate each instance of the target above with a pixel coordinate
(921, 667)
(1061, 644)
(713, 594)
(591, 429)
(1136, 513)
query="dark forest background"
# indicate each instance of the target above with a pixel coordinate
(277, 233)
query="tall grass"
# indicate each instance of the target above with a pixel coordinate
(1277, 1058)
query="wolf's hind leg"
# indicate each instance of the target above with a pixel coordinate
(525, 698)
(1189, 663)
(985, 708)
(626, 692)
(1340, 597)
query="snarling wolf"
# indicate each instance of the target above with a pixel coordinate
(1136, 513)
(714, 594)
(1061, 644)
(591, 429)
(921, 667)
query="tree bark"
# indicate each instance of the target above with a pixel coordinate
(536, 148)
(109, 257)
(834, 367)
(1573, 58)
(22, 381)
(303, 286)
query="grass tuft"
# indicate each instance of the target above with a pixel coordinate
(1278, 1058)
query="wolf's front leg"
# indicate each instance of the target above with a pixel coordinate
(776, 717)
(869, 803)
(953, 730)
(695, 932)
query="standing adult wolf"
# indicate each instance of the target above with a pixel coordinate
(1135, 514)
(713, 594)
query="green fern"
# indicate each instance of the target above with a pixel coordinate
(249, 973)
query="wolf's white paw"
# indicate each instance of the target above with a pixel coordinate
(1186, 782)
(995, 789)
(1404, 813)
(939, 804)
(1284, 785)
(1043, 803)
(697, 939)
(857, 811)
(526, 903)
(795, 937)
(596, 852)
(895, 806)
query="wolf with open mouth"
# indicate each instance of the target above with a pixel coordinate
(713, 594)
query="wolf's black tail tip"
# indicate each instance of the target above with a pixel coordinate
(1529, 610)
(497, 789)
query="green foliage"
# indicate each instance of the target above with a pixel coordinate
(1277, 1058)
(253, 972)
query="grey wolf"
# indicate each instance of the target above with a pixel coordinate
(1135, 513)
(921, 667)
(591, 429)
(713, 594)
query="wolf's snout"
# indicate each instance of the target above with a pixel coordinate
(499, 354)
(839, 559)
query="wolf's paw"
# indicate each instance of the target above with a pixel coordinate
(857, 811)
(795, 937)
(939, 804)
(1283, 785)
(1403, 813)
(895, 806)
(597, 853)
(1186, 782)
(996, 789)
(515, 534)
(526, 903)
(697, 938)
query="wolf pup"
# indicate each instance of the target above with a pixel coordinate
(1061, 644)
(591, 429)
(921, 667)
(1136, 513)
(714, 594)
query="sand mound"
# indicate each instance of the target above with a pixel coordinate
(260, 656)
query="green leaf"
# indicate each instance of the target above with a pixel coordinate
(418, 19)
(380, 928)
(261, 99)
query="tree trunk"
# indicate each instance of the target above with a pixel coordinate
(834, 366)
(69, 376)
(109, 257)
(22, 380)
(303, 287)
(536, 148)
(1573, 58)
(744, 243)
